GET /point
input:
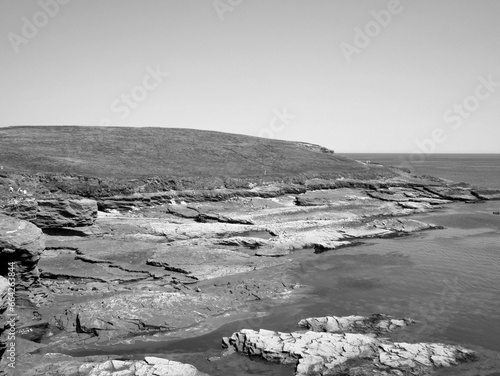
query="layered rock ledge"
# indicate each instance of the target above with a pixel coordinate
(377, 324)
(176, 264)
(54, 213)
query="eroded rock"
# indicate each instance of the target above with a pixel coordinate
(4, 287)
(204, 260)
(323, 353)
(150, 366)
(139, 313)
(21, 242)
(66, 213)
(487, 194)
(456, 193)
(377, 323)
(54, 213)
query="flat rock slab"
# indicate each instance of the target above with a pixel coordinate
(205, 261)
(65, 264)
(131, 252)
(330, 197)
(243, 241)
(453, 193)
(115, 258)
(401, 195)
(377, 324)
(150, 366)
(142, 312)
(350, 354)
(194, 230)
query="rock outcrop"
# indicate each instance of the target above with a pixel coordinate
(187, 211)
(140, 313)
(206, 261)
(54, 213)
(150, 366)
(23, 243)
(66, 213)
(353, 354)
(4, 288)
(486, 194)
(377, 323)
(455, 193)
(22, 209)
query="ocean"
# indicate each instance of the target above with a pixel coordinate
(477, 169)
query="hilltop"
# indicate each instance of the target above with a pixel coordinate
(125, 152)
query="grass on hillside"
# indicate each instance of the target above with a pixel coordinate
(125, 152)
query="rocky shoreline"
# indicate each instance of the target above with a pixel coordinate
(335, 346)
(102, 269)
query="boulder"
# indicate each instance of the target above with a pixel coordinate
(21, 242)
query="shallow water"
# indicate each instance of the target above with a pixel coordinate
(447, 279)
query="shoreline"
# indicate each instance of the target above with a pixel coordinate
(142, 247)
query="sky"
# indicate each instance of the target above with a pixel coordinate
(356, 76)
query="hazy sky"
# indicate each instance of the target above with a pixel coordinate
(352, 75)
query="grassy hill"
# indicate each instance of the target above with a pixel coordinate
(128, 153)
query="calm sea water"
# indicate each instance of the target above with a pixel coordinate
(477, 169)
(447, 279)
